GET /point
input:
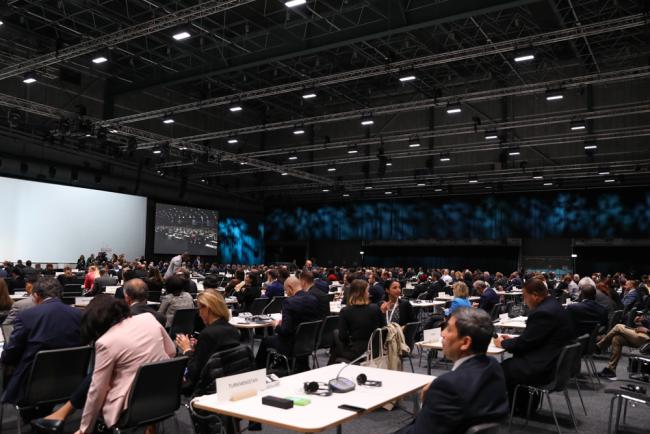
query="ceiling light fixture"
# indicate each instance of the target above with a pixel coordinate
(29, 78)
(578, 125)
(331, 169)
(445, 158)
(407, 78)
(367, 121)
(438, 190)
(235, 108)
(590, 147)
(524, 55)
(284, 174)
(293, 157)
(326, 190)
(609, 180)
(168, 121)
(453, 108)
(309, 95)
(554, 94)
(548, 184)
(99, 59)
(491, 135)
(368, 187)
(294, 3)
(353, 150)
(181, 35)
(473, 181)
(298, 132)
(421, 184)
(346, 194)
(232, 141)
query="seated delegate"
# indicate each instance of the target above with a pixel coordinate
(357, 320)
(474, 391)
(217, 335)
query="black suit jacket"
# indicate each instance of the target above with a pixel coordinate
(587, 311)
(301, 307)
(48, 326)
(143, 307)
(323, 302)
(406, 312)
(219, 335)
(474, 393)
(535, 351)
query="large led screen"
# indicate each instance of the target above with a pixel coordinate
(55, 223)
(181, 229)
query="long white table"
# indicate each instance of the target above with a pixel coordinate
(323, 412)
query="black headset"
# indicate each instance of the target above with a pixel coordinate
(316, 388)
(362, 380)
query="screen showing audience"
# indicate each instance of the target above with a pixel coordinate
(55, 223)
(180, 229)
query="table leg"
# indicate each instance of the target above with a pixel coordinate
(429, 360)
(251, 333)
(339, 429)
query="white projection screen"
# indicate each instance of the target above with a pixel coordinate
(54, 223)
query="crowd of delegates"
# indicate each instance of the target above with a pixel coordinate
(125, 337)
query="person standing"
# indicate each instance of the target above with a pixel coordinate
(176, 263)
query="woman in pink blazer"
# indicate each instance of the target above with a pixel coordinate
(127, 343)
(122, 344)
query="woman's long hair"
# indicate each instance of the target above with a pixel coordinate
(102, 313)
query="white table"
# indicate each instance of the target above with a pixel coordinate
(427, 303)
(451, 297)
(323, 412)
(241, 323)
(512, 323)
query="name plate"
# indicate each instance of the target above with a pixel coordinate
(431, 335)
(82, 301)
(240, 386)
(503, 317)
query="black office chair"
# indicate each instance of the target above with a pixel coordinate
(615, 318)
(583, 340)
(155, 395)
(223, 363)
(410, 332)
(560, 381)
(258, 305)
(275, 306)
(497, 309)
(155, 296)
(72, 289)
(183, 322)
(325, 336)
(484, 428)
(52, 379)
(303, 345)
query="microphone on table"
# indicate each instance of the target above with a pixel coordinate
(344, 385)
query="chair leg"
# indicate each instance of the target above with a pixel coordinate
(512, 407)
(411, 362)
(18, 422)
(568, 402)
(580, 396)
(550, 404)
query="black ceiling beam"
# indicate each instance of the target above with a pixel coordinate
(435, 14)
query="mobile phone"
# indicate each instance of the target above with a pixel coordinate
(351, 408)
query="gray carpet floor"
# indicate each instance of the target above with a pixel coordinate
(596, 402)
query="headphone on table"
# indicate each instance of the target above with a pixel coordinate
(362, 380)
(316, 388)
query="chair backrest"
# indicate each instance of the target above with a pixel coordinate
(7, 329)
(258, 305)
(484, 428)
(275, 306)
(496, 311)
(223, 363)
(155, 394)
(376, 342)
(155, 295)
(565, 363)
(305, 338)
(583, 340)
(55, 375)
(326, 332)
(615, 318)
(410, 332)
(183, 322)
(586, 327)
(72, 288)
(593, 338)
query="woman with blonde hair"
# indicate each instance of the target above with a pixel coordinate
(217, 335)
(89, 280)
(461, 292)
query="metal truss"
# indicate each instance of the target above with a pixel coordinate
(212, 153)
(471, 97)
(491, 48)
(157, 24)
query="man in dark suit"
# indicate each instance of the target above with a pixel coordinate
(375, 289)
(535, 351)
(136, 294)
(17, 281)
(307, 284)
(50, 325)
(299, 306)
(474, 391)
(587, 311)
(488, 296)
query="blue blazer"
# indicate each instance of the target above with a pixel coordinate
(49, 325)
(488, 299)
(275, 289)
(472, 394)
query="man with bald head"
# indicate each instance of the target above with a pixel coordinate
(136, 294)
(298, 307)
